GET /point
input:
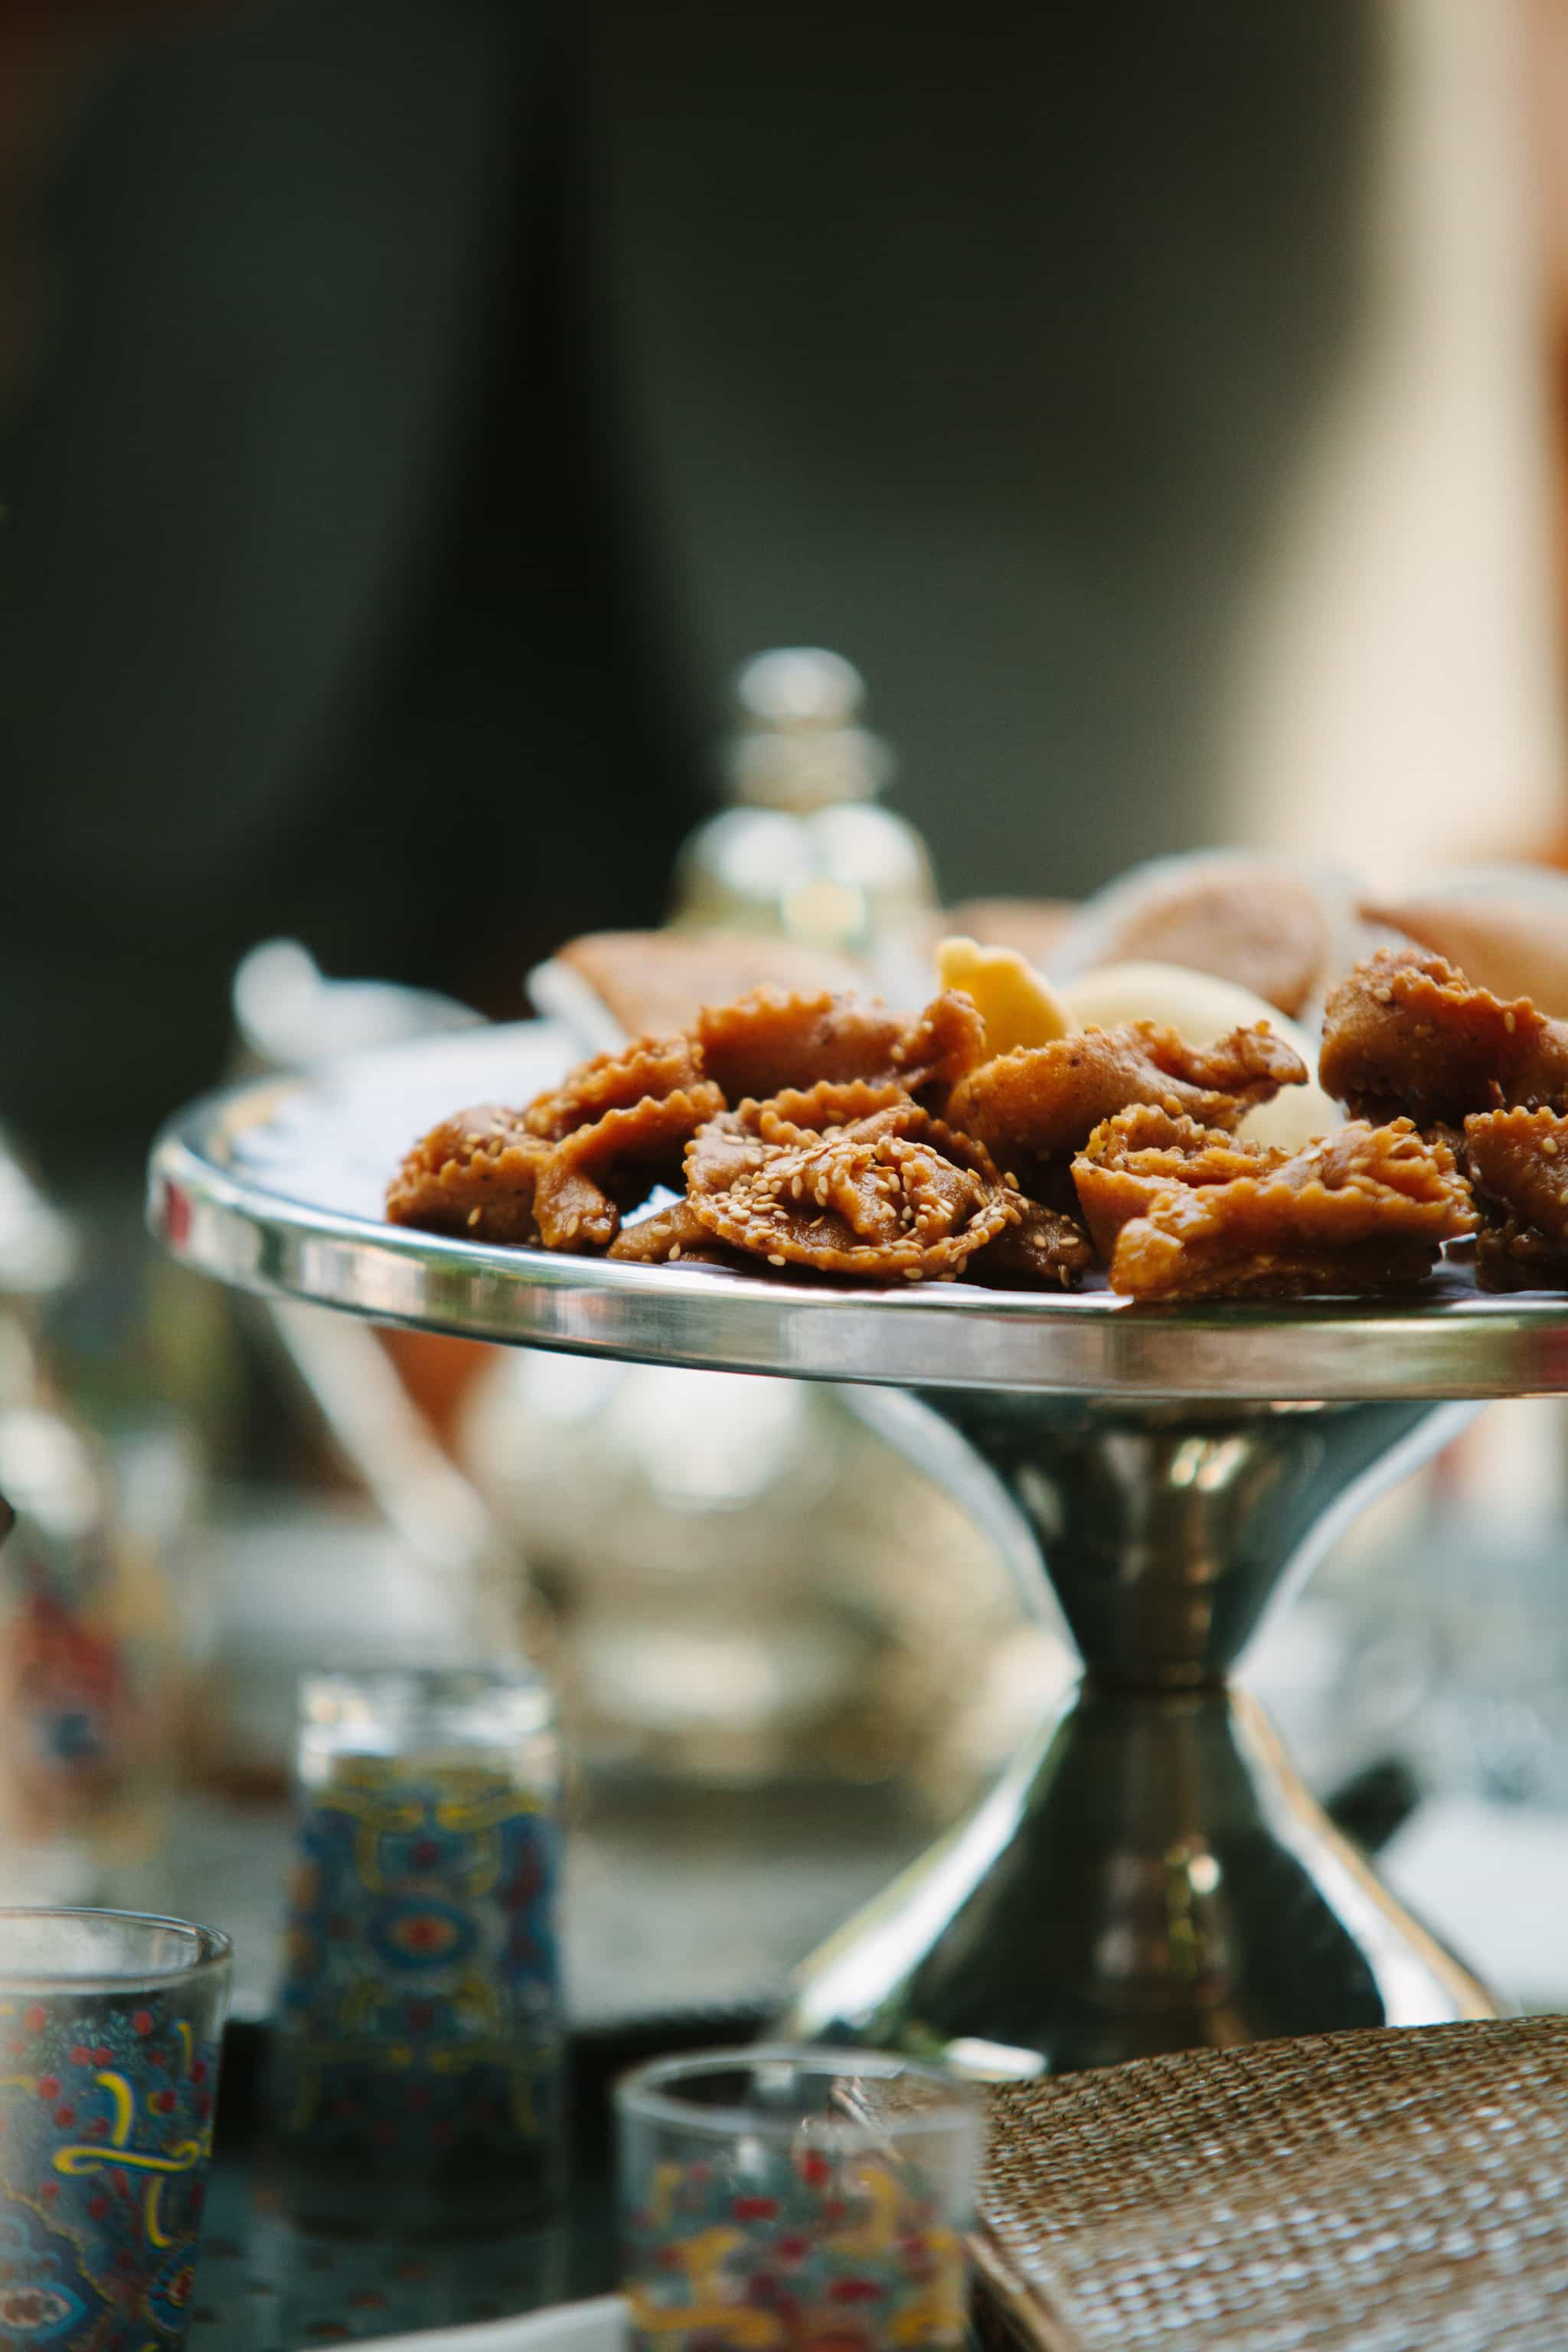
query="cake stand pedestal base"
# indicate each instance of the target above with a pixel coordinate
(1151, 1874)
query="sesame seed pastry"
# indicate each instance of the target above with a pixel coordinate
(1045, 1101)
(768, 1041)
(1131, 1159)
(1517, 1161)
(1408, 1032)
(473, 1175)
(649, 1066)
(896, 1195)
(1365, 1209)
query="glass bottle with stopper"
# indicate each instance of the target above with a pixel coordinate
(804, 852)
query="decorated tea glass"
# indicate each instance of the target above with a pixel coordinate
(111, 2026)
(792, 2200)
(417, 2063)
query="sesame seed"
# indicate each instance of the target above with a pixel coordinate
(775, 1259)
(474, 1215)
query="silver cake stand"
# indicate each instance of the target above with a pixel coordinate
(1150, 1874)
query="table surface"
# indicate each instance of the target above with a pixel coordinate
(276, 1188)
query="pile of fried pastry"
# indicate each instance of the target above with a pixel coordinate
(785, 1133)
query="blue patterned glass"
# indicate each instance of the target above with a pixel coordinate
(111, 2029)
(420, 2031)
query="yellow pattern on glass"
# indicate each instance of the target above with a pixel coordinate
(183, 2158)
(156, 2233)
(667, 2179)
(882, 2225)
(125, 2098)
(739, 2323)
(702, 2259)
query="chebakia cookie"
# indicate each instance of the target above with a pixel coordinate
(789, 1135)
(895, 1195)
(1517, 1161)
(1130, 1159)
(593, 1173)
(1407, 1034)
(1045, 1102)
(474, 1175)
(1365, 1209)
(769, 1041)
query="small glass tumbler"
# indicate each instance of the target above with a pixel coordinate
(111, 2030)
(773, 2200)
(417, 2067)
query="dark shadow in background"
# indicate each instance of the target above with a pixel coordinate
(445, 396)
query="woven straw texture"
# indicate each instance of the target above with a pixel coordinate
(1399, 2191)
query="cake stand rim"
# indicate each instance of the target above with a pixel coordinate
(229, 1224)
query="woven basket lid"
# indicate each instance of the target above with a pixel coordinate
(1400, 2191)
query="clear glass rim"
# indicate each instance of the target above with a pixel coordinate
(419, 1681)
(644, 2091)
(340, 1697)
(213, 1952)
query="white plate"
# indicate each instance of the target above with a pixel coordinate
(596, 2327)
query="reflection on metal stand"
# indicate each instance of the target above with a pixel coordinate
(1151, 1874)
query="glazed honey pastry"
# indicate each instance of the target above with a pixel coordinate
(767, 1041)
(783, 1135)
(1131, 1159)
(1043, 1249)
(1517, 1161)
(895, 1195)
(1365, 1209)
(474, 1175)
(613, 1163)
(1408, 1032)
(646, 1068)
(675, 1235)
(1044, 1102)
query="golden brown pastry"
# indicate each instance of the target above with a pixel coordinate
(1364, 1209)
(1045, 1250)
(1046, 1100)
(671, 1236)
(769, 1041)
(893, 1196)
(473, 1175)
(1517, 1161)
(610, 1165)
(1131, 1159)
(645, 1066)
(1409, 1033)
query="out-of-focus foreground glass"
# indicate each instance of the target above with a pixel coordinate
(772, 2197)
(111, 2034)
(419, 2037)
